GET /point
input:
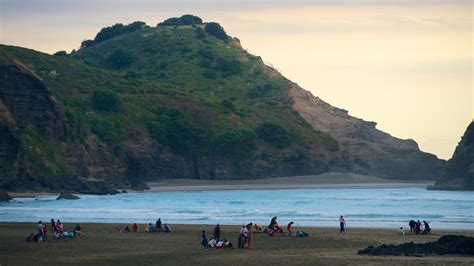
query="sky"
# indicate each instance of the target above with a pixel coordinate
(407, 65)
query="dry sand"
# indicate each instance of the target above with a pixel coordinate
(102, 245)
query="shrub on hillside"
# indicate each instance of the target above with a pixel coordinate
(274, 134)
(236, 143)
(216, 30)
(229, 67)
(119, 59)
(105, 100)
(61, 53)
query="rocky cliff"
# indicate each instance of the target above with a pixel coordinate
(459, 172)
(185, 100)
(367, 150)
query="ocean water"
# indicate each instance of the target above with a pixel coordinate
(384, 208)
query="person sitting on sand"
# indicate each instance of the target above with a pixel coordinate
(31, 238)
(342, 225)
(302, 233)
(217, 232)
(412, 224)
(167, 229)
(135, 227)
(77, 230)
(220, 244)
(427, 229)
(212, 243)
(288, 227)
(204, 241)
(258, 228)
(401, 232)
(227, 244)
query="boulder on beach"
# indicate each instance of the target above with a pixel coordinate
(449, 244)
(67, 195)
(4, 196)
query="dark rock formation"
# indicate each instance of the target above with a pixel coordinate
(459, 172)
(367, 151)
(29, 113)
(450, 244)
(68, 196)
(4, 196)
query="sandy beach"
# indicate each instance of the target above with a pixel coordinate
(101, 244)
(327, 180)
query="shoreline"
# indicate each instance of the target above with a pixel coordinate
(322, 181)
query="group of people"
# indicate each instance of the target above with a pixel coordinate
(418, 227)
(215, 242)
(245, 235)
(157, 227)
(57, 230)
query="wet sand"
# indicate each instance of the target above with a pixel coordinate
(101, 244)
(327, 180)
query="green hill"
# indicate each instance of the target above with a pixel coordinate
(137, 103)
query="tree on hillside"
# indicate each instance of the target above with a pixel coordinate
(112, 31)
(216, 30)
(181, 21)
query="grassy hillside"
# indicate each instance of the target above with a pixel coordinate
(179, 89)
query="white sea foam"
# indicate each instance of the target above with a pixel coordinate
(315, 207)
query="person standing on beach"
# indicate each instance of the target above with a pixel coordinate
(342, 225)
(158, 225)
(217, 232)
(40, 231)
(288, 227)
(204, 240)
(53, 227)
(249, 235)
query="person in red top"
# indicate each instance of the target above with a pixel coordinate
(135, 227)
(288, 227)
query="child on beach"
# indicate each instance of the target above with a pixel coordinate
(167, 229)
(401, 232)
(288, 227)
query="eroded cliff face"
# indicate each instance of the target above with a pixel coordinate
(31, 122)
(366, 150)
(459, 172)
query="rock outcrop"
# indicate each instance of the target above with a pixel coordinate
(367, 151)
(67, 196)
(459, 172)
(446, 245)
(4, 196)
(37, 145)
